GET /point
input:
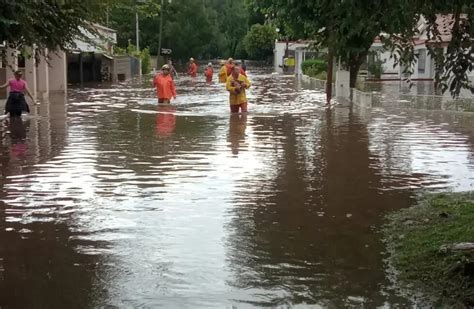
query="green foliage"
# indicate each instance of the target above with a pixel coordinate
(419, 239)
(259, 41)
(144, 56)
(146, 61)
(313, 67)
(375, 68)
(48, 23)
(199, 29)
(348, 29)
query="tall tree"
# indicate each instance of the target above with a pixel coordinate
(348, 27)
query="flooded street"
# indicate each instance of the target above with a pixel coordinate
(109, 200)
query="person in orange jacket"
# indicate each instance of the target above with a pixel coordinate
(209, 72)
(165, 88)
(192, 69)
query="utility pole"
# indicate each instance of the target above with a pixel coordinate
(137, 30)
(159, 38)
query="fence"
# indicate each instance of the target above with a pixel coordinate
(436, 102)
(317, 83)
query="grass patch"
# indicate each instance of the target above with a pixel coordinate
(420, 243)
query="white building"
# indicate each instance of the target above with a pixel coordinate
(279, 50)
(424, 67)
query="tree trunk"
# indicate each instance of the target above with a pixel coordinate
(329, 76)
(355, 61)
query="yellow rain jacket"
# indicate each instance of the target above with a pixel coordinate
(237, 98)
(223, 74)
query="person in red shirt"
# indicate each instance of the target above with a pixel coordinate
(165, 88)
(192, 69)
(209, 72)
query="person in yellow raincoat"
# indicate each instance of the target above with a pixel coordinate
(223, 73)
(236, 85)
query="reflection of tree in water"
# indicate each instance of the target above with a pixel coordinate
(306, 236)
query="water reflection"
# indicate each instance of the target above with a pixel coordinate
(237, 127)
(306, 235)
(165, 120)
(17, 129)
(119, 202)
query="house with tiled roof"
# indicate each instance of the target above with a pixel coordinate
(424, 67)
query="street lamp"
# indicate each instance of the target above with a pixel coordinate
(161, 30)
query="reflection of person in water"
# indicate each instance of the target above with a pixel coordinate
(237, 127)
(165, 120)
(18, 137)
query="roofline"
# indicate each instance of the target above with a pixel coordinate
(104, 27)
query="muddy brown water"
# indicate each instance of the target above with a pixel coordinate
(108, 200)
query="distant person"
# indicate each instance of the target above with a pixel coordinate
(165, 88)
(243, 68)
(192, 69)
(223, 72)
(209, 72)
(173, 72)
(236, 85)
(230, 66)
(16, 102)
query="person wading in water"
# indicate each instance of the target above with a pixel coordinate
(16, 102)
(223, 73)
(236, 85)
(209, 72)
(165, 88)
(192, 69)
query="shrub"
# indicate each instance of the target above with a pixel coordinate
(376, 68)
(146, 61)
(313, 67)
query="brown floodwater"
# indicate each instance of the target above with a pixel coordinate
(108, 200)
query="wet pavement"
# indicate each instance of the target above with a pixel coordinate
(110, 201)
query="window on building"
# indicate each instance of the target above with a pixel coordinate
(422, 61)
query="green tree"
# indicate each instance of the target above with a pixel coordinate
(233, 24)
(259, 41)
(205, 28)
(48, 23)
(347, 29)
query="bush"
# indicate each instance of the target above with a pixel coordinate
(376, 68)
(146, 61)
(314, 67)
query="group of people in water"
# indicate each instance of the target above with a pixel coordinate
(233, 75)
